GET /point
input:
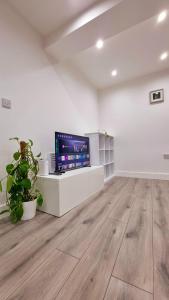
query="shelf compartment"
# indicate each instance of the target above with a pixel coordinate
(107, 157)
(102, 157)
(111, 155)
(107, 142)
(101, 141)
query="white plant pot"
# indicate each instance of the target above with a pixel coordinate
(29, 210)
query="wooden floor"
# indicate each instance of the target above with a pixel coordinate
(113, 247)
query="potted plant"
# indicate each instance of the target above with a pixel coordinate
(22, 197)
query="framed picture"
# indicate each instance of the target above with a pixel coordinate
(157, 96)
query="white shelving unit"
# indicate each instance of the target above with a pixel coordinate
(102, 152)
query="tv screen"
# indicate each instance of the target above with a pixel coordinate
(72, 151)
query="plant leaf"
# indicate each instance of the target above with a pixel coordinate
(0, 186)
(16, 155)
(31, 142)
(39, 154)
(15, 138)
(9, 168)
(16, 212)
(9, 183)
(19, 212)
(13, 217)
(24, 167)
(26, 183)
(40, 200)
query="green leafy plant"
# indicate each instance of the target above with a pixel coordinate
(21, 179)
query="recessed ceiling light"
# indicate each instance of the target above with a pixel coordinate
(114, 73)
(162, 16)
(164, 56)
(99, 44)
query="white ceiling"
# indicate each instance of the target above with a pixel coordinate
(133, 41)
(134, 52)
(49, 15)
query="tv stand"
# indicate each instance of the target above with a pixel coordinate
(57, 173)
(62, 193)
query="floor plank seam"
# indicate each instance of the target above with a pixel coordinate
(66, 253)
(116, 258)
(135, 286)
(125, 225)
(90, 244)
(32, 275)
(29, 277)
(123, 237)
(102, 223)
(67, 279)
(125, 229)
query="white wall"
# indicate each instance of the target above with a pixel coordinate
(44, 99)
(141, 130)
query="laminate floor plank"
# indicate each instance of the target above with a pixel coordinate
(22, 260)
(5, 226)
(119, 290)
(143, 196)
(103, 249)
(81, 237)
(161, 202)
(90, 278)
(15, 235)
(26, 255)
(161, 240)
(135, 260)
(18, 264)
(48, 279)
(121, 209)
(111, 186)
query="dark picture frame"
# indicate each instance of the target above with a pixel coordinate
(157, 96)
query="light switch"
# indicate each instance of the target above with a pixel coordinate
(166, 156)
(6, 103)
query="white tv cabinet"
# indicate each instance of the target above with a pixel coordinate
(102, 152)
(63, 192)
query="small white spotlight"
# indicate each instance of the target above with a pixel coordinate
(164, 56)
(114, 73)
(162, 16)
(99, 44)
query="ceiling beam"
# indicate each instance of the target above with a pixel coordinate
(121, 15)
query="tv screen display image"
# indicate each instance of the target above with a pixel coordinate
(72, 151)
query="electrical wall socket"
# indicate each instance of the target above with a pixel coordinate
(6, 103)
(166, 156)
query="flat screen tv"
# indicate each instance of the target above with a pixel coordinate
(72, 151)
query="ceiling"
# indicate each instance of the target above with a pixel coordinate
(134, 52)
(133, 41)
(49, 15)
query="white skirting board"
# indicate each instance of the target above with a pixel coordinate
(146, 175)
(109, 178)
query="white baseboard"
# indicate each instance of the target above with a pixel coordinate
(146, 175)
